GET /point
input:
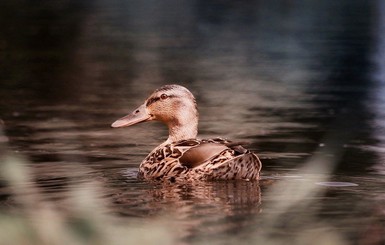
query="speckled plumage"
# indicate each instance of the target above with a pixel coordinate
(234, 162)
(182, 156)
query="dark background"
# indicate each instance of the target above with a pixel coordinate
(101, 54)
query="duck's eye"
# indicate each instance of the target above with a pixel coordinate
(163, 96)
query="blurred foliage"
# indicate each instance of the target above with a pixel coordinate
(31, 220)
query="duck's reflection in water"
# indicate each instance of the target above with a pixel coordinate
(207, 208)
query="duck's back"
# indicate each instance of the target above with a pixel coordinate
(213, 159)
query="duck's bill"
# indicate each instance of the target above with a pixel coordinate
(137, 116)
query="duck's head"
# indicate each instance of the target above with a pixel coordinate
(173, 105)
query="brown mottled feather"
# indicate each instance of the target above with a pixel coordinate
(201, 153)
(197, 159)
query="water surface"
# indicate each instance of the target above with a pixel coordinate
(302, 82)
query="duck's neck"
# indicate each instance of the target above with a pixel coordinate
(183, 128)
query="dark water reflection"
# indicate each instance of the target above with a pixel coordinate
(296, 79)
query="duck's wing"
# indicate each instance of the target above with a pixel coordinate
(236, 146)
(199, 154)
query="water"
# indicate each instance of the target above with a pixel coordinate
(302, 82)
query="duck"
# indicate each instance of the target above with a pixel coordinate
(183, 156)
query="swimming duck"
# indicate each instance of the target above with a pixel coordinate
(182, 156)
